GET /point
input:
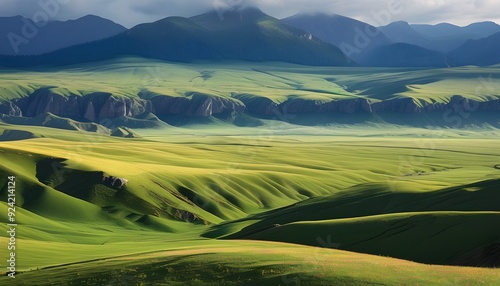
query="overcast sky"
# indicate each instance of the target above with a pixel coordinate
(376, 12)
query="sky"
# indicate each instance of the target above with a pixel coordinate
(376, 12)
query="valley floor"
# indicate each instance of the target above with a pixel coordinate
(268, 206)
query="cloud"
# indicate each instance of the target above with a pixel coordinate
(132, 12)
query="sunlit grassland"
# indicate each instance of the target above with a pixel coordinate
(277, 81)
(253, 263)
(279, 182)
(239, 175)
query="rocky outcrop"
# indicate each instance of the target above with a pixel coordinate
(117, 107)
(170, 105)
(114, 182)
(195, 104)
(350, 105)
(45, 100)
(186, 216)
(99, 106)
(258, 104)
(124, 132)
(404, 105)
(11, 109)
(90, 112)
(265, 106)
(355, 105)
(91, 107)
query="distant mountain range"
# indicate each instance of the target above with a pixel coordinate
(482, 52)
(439, 45)
(251, 35)
(247, 35)
(402, 32)
(405, 55)
(441, 37)
(22, 36)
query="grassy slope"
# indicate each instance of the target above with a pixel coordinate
(254, 263)
(127, 77)
(241, 175)
(262, 167)
(376, 219)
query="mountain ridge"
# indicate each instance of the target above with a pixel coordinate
(248, 34)
(181, 39)
(446, 37)
(483, 52)
(22, 36)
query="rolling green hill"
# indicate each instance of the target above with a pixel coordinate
(373, 219)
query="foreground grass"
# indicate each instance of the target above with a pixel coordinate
(253, 263)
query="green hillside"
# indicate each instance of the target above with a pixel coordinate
(251, 263)
(243, 94)
(241, 197)
(277, 81)
(397, 223)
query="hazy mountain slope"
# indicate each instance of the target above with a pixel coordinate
(402, 32)
(474, 30)
(405, 55)
(447, 37)
(483, 52)
(443, 38)
(30, 39)
(353, 37)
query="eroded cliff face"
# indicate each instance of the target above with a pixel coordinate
(10, 108)
(91, 107)
(264, 106)
(100, 105)
(258, 104)
(195, 104)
